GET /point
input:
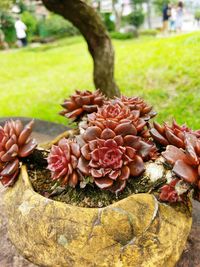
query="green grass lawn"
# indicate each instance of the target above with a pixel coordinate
(165, 71)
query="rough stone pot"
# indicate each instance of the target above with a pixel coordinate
(136, 231)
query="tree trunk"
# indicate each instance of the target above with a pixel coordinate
(85, 18)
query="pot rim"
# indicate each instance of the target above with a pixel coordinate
(25, 177)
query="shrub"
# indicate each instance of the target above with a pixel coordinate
(8, 27)
(55, 25)
(136, 18)
(110, 25)
(122, 36)
(197, 14)
(149, 32)
(31, 22)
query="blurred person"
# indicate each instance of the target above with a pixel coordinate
(20, 29)
(166, 15)
(173, 18)
(179, 16)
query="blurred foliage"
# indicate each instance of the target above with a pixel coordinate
(55, 25)
(122, 36)
(22, 6)
(148, 32)
(7, 25)
(136, 18)
(197, 14)
(165, 71)
(37, 28)
(110, 25)
(159, 4)
(5, 4)
(31, 22)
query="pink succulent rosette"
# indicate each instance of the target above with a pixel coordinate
(15, 143)
(63, 161)
(137, 103)
(111, 157)
(116, 116)
(110, 163)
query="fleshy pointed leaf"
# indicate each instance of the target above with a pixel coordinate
(172, 154)
(185, 171)
(107, 134)
(174, 140)
(158, 137)
(125, 129)
(92, 133)
(28, 148)
(26, 132)
(85, 151)
(10, 168)
(137, 166)
(103, 183)
(83, 165)
(125, 173)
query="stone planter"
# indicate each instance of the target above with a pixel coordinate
(136, 231)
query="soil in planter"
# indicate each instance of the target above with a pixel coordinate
(89, 196)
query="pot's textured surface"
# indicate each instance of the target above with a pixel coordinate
(137, 231)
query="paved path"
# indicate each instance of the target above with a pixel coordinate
(9, 257)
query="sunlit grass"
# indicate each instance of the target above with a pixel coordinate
(166, 72)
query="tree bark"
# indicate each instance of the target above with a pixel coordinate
(85, 18)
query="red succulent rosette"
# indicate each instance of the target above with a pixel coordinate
(137, 103)
(82, 103)
(15, 143)
(110, 163)
(63, 160)
(111, 157)
(117, 115)
(169, 193)
(186, 162)
(171, 135)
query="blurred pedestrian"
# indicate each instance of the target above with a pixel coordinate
(166, 15)
(197, 17)
(21, 28)
(179, 17)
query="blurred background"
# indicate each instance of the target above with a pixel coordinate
(157, 57)
(121, 17)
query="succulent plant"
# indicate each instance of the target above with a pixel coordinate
(113, 144)
(82, 103)
(169, 193)
(15, 143)
(137, 103)
(186, 162)
(63, 161)
(112, 155)
(171, 135)
(118, 117)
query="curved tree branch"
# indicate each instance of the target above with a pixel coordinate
(89, 23)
